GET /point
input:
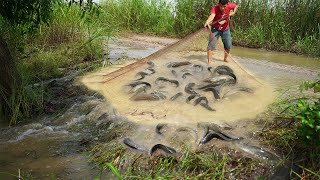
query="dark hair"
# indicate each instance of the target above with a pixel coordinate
(223, 2)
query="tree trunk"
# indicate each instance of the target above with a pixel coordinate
(7, 72)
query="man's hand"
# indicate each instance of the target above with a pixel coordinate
(222, 22)
(207, 24)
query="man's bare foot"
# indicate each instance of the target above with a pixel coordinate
(210, 62)
(225, 60)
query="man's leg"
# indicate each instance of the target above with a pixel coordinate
(213, 39)
(209, 53)
(227, 43)
(226, 54)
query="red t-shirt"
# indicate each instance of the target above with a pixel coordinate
(219, 15)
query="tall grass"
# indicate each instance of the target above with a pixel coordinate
(158, 17)
(291, 25)
(69, 39)
(139, 16)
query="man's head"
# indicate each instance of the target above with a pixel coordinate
(223, 2)
(223, 5)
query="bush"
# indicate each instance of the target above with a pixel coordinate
(308, 112)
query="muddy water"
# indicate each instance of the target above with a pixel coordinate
(228, 111)
(278, 57)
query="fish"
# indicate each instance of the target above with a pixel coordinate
(189, 88)
(135, 83)
(210, 135)
(212, 130)
(199, 99)
(133, 145)
(238, 89)
(184, 75)
(198, 68)
(178, 64)
(168, 80)
(215, 91)
(142, 75)
(165, 148)
(146, 72)
(206, 105)
(258, 151)
(229, 74)
(159, 94)
(159, 128)
(192, 96)
(211, 70)
(218, 82)
(176, 96)
(149, 71)
(139, 88)
(216, 79)
(175, 82)
(222, 68)
(151, 64)
(217, 88)
(145, 97)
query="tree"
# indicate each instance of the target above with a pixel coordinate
(30, 14)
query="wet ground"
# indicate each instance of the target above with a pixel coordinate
(55, 145)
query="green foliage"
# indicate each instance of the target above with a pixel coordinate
(309, 114)
(139, 16)
(113, 170)
(178, 18)
(30, 12)
(190, 16)
(309, 131)
(67, 41)
(307, 110)
(279, 25)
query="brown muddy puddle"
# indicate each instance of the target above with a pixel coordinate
(239, 105)
(44, 159)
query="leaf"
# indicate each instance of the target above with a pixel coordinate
(114, 171)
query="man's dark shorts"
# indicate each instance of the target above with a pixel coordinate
(226, 39)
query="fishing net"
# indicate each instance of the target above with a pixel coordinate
(176, 85)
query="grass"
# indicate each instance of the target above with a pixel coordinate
(292, 132)
(285, 26)
(208, 163)
(69, 42)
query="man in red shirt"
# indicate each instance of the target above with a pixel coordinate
(220, 27)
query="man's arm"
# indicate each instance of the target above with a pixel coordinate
(209, 20)
(234, 11)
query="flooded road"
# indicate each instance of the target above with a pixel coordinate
(54, 146)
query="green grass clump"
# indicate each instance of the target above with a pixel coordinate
(296, 132)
